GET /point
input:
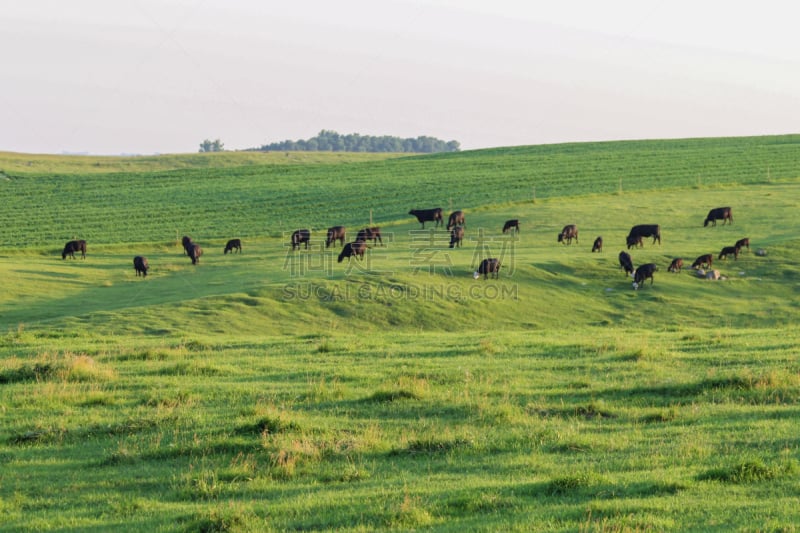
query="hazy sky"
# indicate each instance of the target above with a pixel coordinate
(158, 76)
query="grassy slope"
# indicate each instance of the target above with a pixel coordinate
(277, 391)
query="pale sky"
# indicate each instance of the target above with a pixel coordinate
(159, 76)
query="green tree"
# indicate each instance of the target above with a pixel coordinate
(212, 146)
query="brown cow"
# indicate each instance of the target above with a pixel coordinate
(729, 250)
(742, 243)
(195, 252)
(719, 213)
(456, 219)
(351, 249)
(598, 245)
(336, 233)
(676, 265)
(456, 236)
(703, 261)
(569, 232)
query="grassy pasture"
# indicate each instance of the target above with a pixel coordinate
(278, 390)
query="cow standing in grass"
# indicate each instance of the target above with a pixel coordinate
(195, 252)
(676, 265)
(642, 273)
(488, 267)
(719, 213)
(626, 263)
(353, 249)
(569, 232)
(74, 246)
(704, 261)
(598, 245)
(640, 231)
(456, 219)
(233, 245)
(336, 233)
(512, 224)
(456, 236)
(141, 265)
(428, 215)
(299, 237)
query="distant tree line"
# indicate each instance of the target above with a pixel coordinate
(331, 141)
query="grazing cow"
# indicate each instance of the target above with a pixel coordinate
(299, 237)
(598, 245)
(569, 232)
(643, 230)
(626, 263)
(511, 224)
(74, 246)
(676, 265)
(336, 233)
(642, 273)
(456, 236)
(634, 241)
(141, 265)
(456, 219)
(370, 234)
(704, 261)
(351, 249)
(719, 213)
(742, 243)
(233, 244)
(374, 234)
(186, 241)
(195, 252)
(487, 267)
(729, 250)
(428, 215)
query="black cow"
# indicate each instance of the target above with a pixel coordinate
(299, 237)
(741, 243)
(336, 233)
(351, 249)
(141, 265)
(719, 213)
(598, 245)
(626, 263)
(456, 236)
(456, 219)
(74, 246)
(676, 265)
(634, 241)
(642, 273)
(487, 267)
(706, 260)
(729, 250)
(186, 241)
(428, 215)
(511, 224)
(195, 252)
(233, 244)
(569, 232)
(643, 230)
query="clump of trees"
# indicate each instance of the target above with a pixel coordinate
(331, 141)
(212, 146)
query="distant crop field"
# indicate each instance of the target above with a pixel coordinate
(278, 389)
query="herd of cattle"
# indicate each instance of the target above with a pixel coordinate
(455, 225)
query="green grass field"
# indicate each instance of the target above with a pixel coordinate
(279, 390)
